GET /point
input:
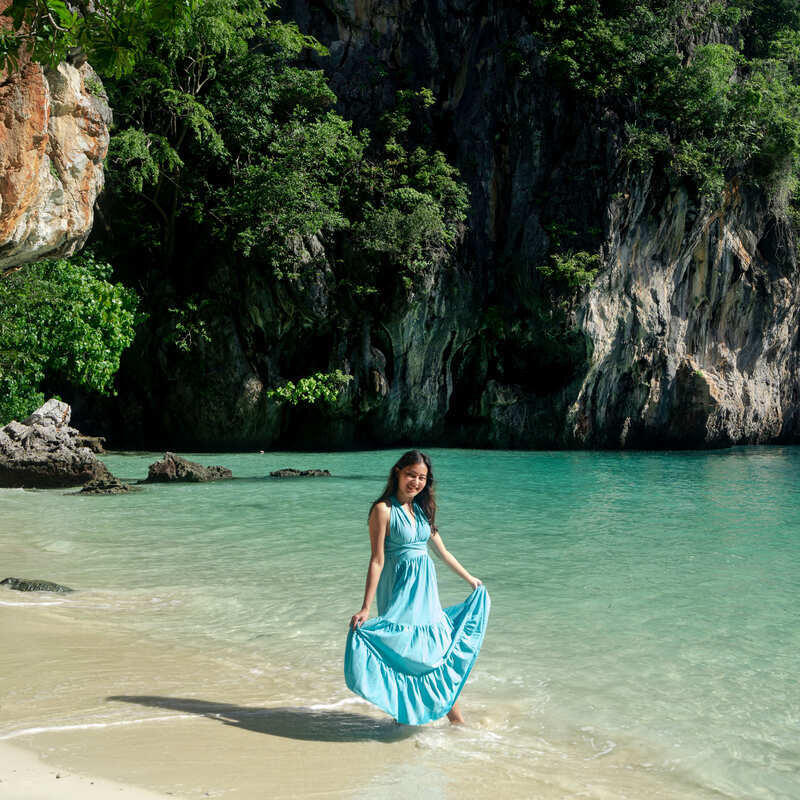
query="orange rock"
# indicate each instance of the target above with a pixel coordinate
(53, 139)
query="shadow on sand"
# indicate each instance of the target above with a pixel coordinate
(288, 722)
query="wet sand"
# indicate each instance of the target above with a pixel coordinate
(26, 777)
(94, 702)
(116, 715)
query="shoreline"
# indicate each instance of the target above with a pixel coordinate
(119, 720)
(121, 723)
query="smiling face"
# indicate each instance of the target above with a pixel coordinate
(411, 480)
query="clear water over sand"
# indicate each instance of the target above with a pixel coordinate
(643, 638)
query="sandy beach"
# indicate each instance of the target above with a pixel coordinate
(26, 777)
(152, 739)
(120, 728)
(125, 726)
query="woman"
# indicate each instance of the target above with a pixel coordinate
(412, 660)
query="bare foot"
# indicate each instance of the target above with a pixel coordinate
(454, 715)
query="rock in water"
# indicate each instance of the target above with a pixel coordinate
(26, 585)
(106, 485)
(174, 468)
(44, 452)
(298, 473)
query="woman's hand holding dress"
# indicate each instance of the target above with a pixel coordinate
(359, 619)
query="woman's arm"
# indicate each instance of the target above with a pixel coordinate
(451, 560)
(378, 525)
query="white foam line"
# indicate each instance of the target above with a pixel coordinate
(89, 725)
(348, 701)
(41, 603)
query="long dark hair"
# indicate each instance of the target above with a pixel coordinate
(426, 499)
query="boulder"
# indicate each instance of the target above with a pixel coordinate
(27, 585)
(173, 468)
(53, 412)
(106, 485)
(43, 452)
(300, 473)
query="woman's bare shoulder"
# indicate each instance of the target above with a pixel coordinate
(380, 512)
(381, 509)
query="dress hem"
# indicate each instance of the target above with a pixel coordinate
(416, 699)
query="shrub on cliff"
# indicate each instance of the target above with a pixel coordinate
(708, 91)
(60, 319)
(112, 34)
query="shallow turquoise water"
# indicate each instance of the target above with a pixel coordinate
(644, 605)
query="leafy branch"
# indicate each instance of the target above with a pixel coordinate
(317, 387)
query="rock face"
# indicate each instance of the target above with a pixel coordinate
(300, 473)
(53, 138)
(26, 585)
(42, 453)
(688, 338)
(691, 331)
(694, 329)
(173, 468)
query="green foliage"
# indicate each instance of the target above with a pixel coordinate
(572, 271)
(61, 319)
(704, 112)
(415, 204)
(95, 87)
(190, 326)
(172, 152)
(139, 158)
(217, 133)
(321, 386)
(114, 34)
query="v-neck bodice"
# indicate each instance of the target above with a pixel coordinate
(403, 531)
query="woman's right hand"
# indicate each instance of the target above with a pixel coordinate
(359, 619)
(474, 582)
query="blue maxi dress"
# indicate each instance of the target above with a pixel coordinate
(413, 659)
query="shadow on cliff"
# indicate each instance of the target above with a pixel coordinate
(289, 722)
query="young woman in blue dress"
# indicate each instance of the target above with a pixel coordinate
(414, 659)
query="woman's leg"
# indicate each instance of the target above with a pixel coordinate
(454, 714)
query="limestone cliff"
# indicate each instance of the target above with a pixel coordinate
(691, 330)
(688, 337)
(53, 138)
(694, 327)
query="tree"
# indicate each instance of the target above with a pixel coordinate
(112, 34)
(61, 319)
(707, 91)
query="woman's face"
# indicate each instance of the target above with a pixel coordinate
(411, 479)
